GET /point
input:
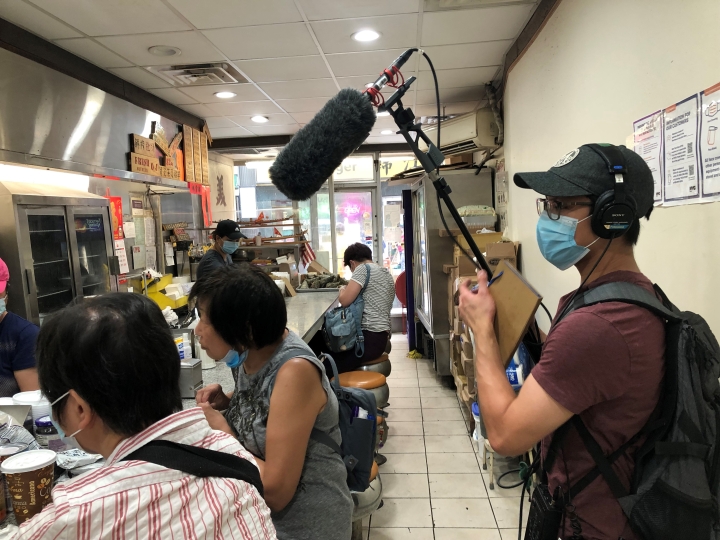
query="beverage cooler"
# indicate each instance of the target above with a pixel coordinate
(57, 244)
(431, 251)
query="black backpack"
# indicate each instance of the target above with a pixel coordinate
(674, 491)
(358, 434)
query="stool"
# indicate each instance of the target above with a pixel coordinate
(368, 380)
(382, 433)
(487, 448)
(366, 502)
(380, 364)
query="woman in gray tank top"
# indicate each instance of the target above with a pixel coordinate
(281, 395)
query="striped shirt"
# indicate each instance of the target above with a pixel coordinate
(137, 500)
(379, 296)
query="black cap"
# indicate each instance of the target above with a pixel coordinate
(584, 172)
(228, 228)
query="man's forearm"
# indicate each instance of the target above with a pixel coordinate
(495, 394)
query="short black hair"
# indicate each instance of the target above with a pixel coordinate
(356, 252)
(632, 234)
(243, 304)
(116, 351)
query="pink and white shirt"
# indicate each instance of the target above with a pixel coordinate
(126, 500)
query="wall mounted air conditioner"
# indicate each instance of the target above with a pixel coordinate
(469, 132)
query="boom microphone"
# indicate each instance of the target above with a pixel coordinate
(311, 156)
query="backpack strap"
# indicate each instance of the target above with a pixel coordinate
(360, 341)
(200, 462)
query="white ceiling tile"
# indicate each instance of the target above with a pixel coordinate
(275, 130)
(173, 96)
(116, 17)
(93, 52)
(284, 69)
(224, 13)
(219, 133)
(32, 19)
(279, 119)
(266, 41)
(451, 95)
(472, 25)
(243, 108)
(206, 94)
(215, 122)
(486, 53)
(135, 48)
(359, 83)
(317, 10)
(202, 111)
(460, 107)
(370, 63)
(396, 31)
(303, 117)
(457, 78)
(302, 105)
(139, 77)
(300, 89)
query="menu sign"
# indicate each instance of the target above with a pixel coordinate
(204, 154)
(144, 164)
(170, 172)
(197, 156)
(189, 163)
(142, 145)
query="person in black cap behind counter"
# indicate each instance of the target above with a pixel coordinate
(603, 362)
(226, 236)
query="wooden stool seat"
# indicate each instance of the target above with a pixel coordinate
(382, 358)
(368, 380)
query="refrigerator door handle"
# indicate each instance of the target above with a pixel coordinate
(30, 277)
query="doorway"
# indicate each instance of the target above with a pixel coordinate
(355, 220)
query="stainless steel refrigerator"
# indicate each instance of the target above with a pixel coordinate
(57, 244)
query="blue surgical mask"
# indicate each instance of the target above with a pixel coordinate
(69, 440)
(233, 359)
(230, 247)
(3, 307)
(556, 239)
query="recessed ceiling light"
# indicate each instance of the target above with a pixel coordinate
(164, 50)
(365, 35)
(225, 95)
(387, 132)
(260, 119)
(383, 113)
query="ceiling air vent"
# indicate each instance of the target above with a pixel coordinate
(199, 74)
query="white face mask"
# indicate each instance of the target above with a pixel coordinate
(69, 440)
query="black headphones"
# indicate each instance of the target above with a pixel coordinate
(614, 211)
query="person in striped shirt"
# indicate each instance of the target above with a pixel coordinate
(111, 369)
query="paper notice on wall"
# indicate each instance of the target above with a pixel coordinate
(151, 257)
(710, 143)
(136, 204)
(501, 196)
(138, 255)
(169, 254)
(647, 141)
(392, 235)
(121, 254)
(149, 231)
(681, 156)
(392, 214)
(129, 229)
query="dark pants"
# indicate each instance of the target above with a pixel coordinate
(375, 343)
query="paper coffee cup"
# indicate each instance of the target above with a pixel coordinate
(29, 477)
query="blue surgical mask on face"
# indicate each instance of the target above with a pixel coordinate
(230, 247)
(3, 307)
(69, 440)
(233, 359)
(556, 239)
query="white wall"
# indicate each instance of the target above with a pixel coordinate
(596, 67)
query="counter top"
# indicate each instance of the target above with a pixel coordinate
(305, 316)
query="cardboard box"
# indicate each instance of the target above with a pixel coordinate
(468, 367)
(498, 251)
(466, 344)
(452, 276)
(481, 240)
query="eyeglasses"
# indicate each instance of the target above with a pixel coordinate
(553, 207)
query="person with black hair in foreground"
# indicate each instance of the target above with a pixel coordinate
(110, 368)
(281, 395)
(603, 362)
(378, 296)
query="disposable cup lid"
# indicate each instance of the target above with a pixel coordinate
(28, 398)
(31, 460)
(11, 448)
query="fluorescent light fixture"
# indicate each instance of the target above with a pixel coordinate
(365, 35)
(225, 94)
(260, 119)
(164, 50)
(383, 113)
(387, 132)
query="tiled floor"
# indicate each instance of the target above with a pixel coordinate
(433, 484)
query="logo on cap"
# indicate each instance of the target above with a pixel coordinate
(567, 158)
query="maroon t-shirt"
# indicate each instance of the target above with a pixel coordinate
(606, 363)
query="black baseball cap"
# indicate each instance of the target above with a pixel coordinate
(229, 228)
(584, 172)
